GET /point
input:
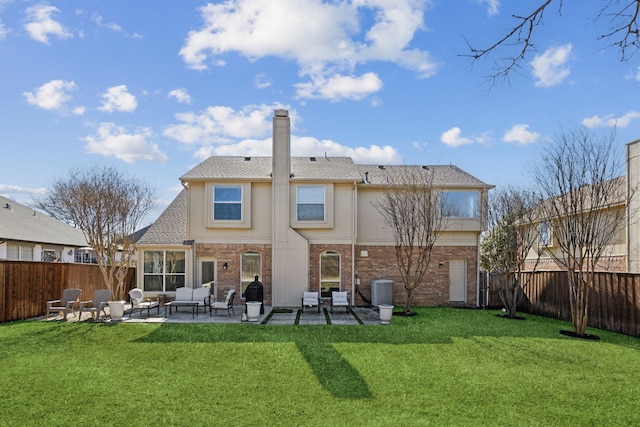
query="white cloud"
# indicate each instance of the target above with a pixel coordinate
(79, 110)
(16, 189)
(3, 31)
(223, 131)
(304, 146)
(114, 141)
(521, 134)
(51, 95)
(339, 87)
(493, 6)
(550, 68)
(610, 121)
(325, 38)
(453, 138)
(98, 19)
(220, 124)
(41, 24)
(117, 98)
(181, 95)
(261, 81)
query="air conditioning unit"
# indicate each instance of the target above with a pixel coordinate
(381, 292)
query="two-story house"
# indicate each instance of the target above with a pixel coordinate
(303, 223)
(621, 253)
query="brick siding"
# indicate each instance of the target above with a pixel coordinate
(380, 263)
(230, 278)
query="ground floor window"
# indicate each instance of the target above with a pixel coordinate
(51, 255)
(19, 253)
(250, 267)
(329, 273)
(85, 256)
(164, 271)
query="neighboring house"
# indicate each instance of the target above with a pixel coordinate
(303, 223)
(29, 235)
(623, 255)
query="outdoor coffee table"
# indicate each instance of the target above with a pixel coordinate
(176, 304)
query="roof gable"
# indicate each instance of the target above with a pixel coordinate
(171, 226)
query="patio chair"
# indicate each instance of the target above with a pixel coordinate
(201, 295)
(96, 305)
(339, 299)
(138, 301)
(311, 299)
(64, 304)
(227, 304)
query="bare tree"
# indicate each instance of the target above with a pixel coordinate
(621, 18)
(108, 207)
(585, 196)
(507, 244)
(410, 208)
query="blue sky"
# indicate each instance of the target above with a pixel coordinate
(154, 87)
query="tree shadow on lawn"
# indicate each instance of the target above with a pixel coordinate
(316, 342)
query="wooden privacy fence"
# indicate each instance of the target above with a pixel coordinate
(25, 287)
(614, 302)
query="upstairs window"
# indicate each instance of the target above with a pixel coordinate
(459, 204)
(227, 203)
(545, 233)
(310, 203)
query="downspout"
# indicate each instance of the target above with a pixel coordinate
(354, 235)
(478, 271)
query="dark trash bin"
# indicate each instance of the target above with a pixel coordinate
(255, 292)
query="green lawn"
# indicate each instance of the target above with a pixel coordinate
(442, 367)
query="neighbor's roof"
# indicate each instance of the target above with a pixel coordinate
(449, 176)
(171, 226)
(21, 223)
(260, 168)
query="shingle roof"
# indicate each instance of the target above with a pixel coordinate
(447, 176)
(21, 223)
(259, 168)
(171, 226)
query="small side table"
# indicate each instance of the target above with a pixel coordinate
(164, 298)
(176, 304)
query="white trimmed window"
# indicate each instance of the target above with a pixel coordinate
(229, 205)
(250, 267)
(545, 234)
(310, 203)
(329, 273)
(164, 271)
(19, 253)
(459, 204)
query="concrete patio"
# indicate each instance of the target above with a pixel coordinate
(271, 316)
